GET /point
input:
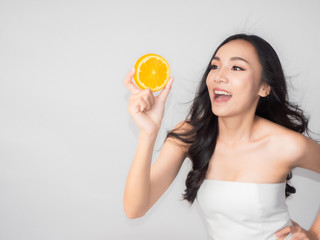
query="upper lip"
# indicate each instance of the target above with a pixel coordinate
(215, 90)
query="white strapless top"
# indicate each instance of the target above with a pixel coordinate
(243, 211)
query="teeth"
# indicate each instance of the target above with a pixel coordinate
(222, 93)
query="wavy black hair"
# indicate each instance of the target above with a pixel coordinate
(202, 136)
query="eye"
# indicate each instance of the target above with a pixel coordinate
(213, 67)
(236, 68)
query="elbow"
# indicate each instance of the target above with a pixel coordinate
(133, 211)
(133, 214)
(133, 208)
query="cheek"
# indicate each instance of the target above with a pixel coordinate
(246, 86)
(209, 86)
(210, 79)
(247, 81)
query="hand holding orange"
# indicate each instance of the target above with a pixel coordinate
(146, 109)
(152, 71)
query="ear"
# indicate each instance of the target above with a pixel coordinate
(264, 90)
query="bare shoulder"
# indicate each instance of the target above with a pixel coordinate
(288, 144)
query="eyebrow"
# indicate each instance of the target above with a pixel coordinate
(232, 59)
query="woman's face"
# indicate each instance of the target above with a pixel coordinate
(234, 81)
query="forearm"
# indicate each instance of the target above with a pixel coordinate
(312, 235)
(315, 228)
(137, 190)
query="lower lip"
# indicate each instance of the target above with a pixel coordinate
(221, 99)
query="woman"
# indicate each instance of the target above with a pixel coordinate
(243, 137)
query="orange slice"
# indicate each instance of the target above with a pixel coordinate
(152, 71)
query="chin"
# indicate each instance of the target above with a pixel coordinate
(223, 113)
(219, 113)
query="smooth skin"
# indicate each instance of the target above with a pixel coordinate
(248, 149)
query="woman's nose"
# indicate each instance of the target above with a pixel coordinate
(221, 75)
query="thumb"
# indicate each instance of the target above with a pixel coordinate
(165, 92)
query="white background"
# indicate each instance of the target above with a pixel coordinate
(66, 138)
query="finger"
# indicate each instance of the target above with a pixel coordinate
(147, 104)
(283, 231)
(137, 103)
(142, 105)
(133, 106)
(294, 223)
(152, 101)
(165, 92)
(149, 98)
(128, 82)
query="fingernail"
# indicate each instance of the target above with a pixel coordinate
(132, 69)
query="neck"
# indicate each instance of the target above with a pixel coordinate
(235, 130)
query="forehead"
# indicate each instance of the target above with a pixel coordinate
(238, 48)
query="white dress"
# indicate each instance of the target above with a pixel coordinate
(243, 211)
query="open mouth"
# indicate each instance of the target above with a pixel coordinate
(221, 95)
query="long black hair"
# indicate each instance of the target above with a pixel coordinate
(202, 136)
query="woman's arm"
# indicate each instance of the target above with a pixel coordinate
(145, 184)
(310, 159)
(310, 155)
(308, 152)
(315, 228)
(299, 233)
